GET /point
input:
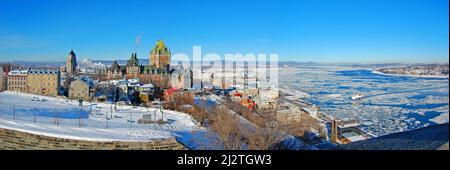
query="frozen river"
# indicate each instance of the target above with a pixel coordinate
(390, 103)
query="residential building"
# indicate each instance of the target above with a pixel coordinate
(17, 80)
(44, 82)
(81, 88)
(146, 92)
(146, 89)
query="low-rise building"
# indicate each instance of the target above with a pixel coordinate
(146, 92)
(44, 82)
(146, 89)
(17, 80)
(81, 88)
(181, 77)
(344, 131)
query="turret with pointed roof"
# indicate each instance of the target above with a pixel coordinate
(115, 67)
(116, 71)
(133, 62)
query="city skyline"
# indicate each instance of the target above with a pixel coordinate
(331, 32)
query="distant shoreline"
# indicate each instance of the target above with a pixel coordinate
(408, 75)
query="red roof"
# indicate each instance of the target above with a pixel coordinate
(171, 90)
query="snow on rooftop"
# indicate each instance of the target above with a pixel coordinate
(19, 72)
(353, 138)
(347, 125)
(147, 86)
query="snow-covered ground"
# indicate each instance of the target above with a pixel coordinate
(389, 103)
(37, 117)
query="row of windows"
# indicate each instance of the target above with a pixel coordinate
(43, 84)
(17, 83)
(17, 88)
(43, 89)
(17, 78)
(38, 78)
(82, 91)
(22, 83)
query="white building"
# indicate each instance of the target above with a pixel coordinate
(181, 77)
(146, 89)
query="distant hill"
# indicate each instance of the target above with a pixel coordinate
(37, 63)
(61, 63)
(121, 62)
(296, 63)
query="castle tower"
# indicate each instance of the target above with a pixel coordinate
(133, 61)
(160, 55)
(133, 69)
(71, 65)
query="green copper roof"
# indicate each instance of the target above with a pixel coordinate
(160, 48)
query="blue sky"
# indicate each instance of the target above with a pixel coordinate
(327, 31)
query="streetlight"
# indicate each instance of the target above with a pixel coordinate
(160, 110)
(154, 115)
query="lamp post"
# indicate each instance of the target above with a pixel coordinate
(154, 123)
(114, 96)
(131, 120)
(160, 110)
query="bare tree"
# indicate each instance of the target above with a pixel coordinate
(232, 132)
(226, 128)
(177, 100)
(66, 84)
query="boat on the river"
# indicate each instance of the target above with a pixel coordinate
(357, 96)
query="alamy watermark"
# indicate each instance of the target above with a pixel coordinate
(240, 71)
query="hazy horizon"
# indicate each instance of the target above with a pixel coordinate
(312, 62)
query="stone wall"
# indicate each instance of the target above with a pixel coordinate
(15, 140)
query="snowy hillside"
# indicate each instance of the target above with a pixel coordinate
(24, 112)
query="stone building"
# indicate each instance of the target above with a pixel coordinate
(116, 71)
(81, 88)
(71, 65)
(132, 67)
(2, 80)
(44, 82)
(17, 80)
(159, 72)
